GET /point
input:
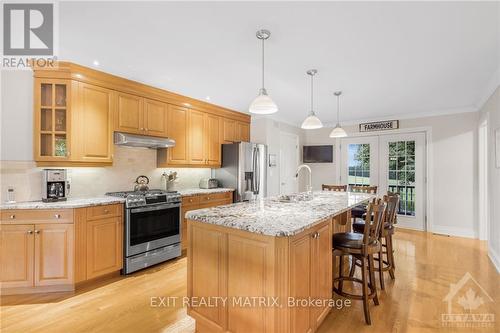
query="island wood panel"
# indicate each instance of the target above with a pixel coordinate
(298, 267)
(54, 254)
(17, 255)
(93, 124)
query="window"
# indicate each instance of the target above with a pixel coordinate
(402, 174)
(359, 164)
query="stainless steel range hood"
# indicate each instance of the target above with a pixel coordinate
(133, 140)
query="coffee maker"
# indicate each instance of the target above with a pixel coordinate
(55, 185)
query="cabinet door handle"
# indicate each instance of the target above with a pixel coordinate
(146, 129)
(37, 232)
(30, 232)
(12, 217)
(57, 216)
(68, 154)
(106, 211)
(142, 128)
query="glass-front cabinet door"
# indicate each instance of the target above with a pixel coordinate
(52, 119)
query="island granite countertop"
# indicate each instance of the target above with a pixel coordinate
(68, 204)
(273, 217)
(198, 191)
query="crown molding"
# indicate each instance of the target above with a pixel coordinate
(489, 89)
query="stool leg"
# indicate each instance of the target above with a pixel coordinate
(380, 268)
(390, 256)
(373, 282)
(364, 278)
(341, 271)
(353, 267)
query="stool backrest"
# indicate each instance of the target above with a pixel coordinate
(336, 188)
(375, 214)
(365, 189)
(392, 201)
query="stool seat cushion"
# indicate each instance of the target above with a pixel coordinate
(348, 239)
(358, 211)
(359, 225)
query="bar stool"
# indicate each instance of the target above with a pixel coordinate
(386, 232)
(359, 211)
(361, 247)
(335, 188)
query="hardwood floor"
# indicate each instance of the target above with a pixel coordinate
(426, 265)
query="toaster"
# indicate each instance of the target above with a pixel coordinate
(209, 183)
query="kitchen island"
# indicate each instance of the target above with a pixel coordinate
(256, 266)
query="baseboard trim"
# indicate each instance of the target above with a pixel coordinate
(495, 258)
(454, 231)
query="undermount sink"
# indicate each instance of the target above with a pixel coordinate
(296, 197)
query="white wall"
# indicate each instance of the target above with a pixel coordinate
(491, 112)
(453, 172)
(267, 131)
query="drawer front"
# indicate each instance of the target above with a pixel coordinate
(206, 198)
(191, 200)
(104, 211)
(33, 216)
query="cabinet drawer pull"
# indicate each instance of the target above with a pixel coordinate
(57, 216)
(30, 232)
(12, 217)
(37, 232)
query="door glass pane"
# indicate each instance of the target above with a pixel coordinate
(153, 225)
(61, 120)
(46, 94)
(46, 145)
(401, 175)
(46, 120)
(60, 95)
(359, 164)
(60, 145)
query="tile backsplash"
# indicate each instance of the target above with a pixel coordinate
(128, 163)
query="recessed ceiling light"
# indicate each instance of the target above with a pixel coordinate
(96, 63)
(186, 104)
(207, 98)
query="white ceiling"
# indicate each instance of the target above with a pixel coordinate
(396, 59)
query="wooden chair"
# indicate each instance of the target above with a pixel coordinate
(361, 247)
(335, 188)
(386, 232)
(359, 211)
(364, 189)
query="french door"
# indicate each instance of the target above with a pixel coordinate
(394, 163)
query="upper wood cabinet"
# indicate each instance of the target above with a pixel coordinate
(52, 120)
(77, 109)
(129, 114)
(93, 123)
(155, 118)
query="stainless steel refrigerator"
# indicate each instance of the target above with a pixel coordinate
(244, 166)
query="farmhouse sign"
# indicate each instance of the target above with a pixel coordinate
(379, 126)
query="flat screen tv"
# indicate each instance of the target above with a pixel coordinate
(318, 154)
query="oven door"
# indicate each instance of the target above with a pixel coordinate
(149, 228)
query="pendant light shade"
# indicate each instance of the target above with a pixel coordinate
(263, 104)
(338, 131)
(312, 121)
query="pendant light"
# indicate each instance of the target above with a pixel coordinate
(263, 104)
(312, 122)
(338, 132)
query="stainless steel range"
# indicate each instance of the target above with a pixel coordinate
(152, 228)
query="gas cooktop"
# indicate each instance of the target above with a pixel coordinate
(146, 198)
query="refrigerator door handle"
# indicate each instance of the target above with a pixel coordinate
(254, 170)
(257, 170)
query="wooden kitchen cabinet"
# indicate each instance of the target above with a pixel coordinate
(129, 113)
(54, 254)
(52, 120)
(177, 129)
(155, 118)
(213, 140)
(242, 132)
(197, 136)
(228, 130)
(93, 124)
(104, 246)
(17, 255)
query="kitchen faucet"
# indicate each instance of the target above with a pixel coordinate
(302, 166)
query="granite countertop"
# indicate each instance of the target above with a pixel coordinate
(70, 203)
(195, 191)
(273, 217)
